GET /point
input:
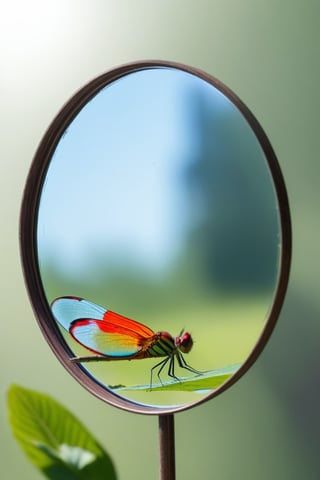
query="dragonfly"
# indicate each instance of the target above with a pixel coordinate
(110, 336)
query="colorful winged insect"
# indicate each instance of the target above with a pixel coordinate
(110, 336)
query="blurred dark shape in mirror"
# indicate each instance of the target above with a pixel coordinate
(231, 197)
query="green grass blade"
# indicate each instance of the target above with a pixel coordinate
(210, 380)
(54, 440)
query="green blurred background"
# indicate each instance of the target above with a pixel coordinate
(267, 425)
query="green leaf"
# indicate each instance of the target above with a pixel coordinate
(210, 381)
(54, 439)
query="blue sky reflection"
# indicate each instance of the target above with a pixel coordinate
(113, 189)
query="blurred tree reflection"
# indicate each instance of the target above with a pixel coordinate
(233, 216)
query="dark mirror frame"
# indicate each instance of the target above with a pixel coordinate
(28, 233)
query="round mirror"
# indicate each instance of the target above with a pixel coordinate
(155, 237)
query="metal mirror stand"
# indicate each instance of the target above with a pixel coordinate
(167, 447)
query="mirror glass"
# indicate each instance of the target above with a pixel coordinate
(158, 205)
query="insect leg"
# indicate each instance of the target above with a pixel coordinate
(171, 369)
(161, 365)
(184, 364)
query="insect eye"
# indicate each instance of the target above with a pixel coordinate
(186, 343)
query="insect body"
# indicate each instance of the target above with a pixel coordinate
(110, 336)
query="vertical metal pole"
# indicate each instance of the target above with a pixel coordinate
(167, 449)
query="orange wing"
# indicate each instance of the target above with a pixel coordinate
(101, 331)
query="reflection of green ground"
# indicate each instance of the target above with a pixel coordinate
(224, 329)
